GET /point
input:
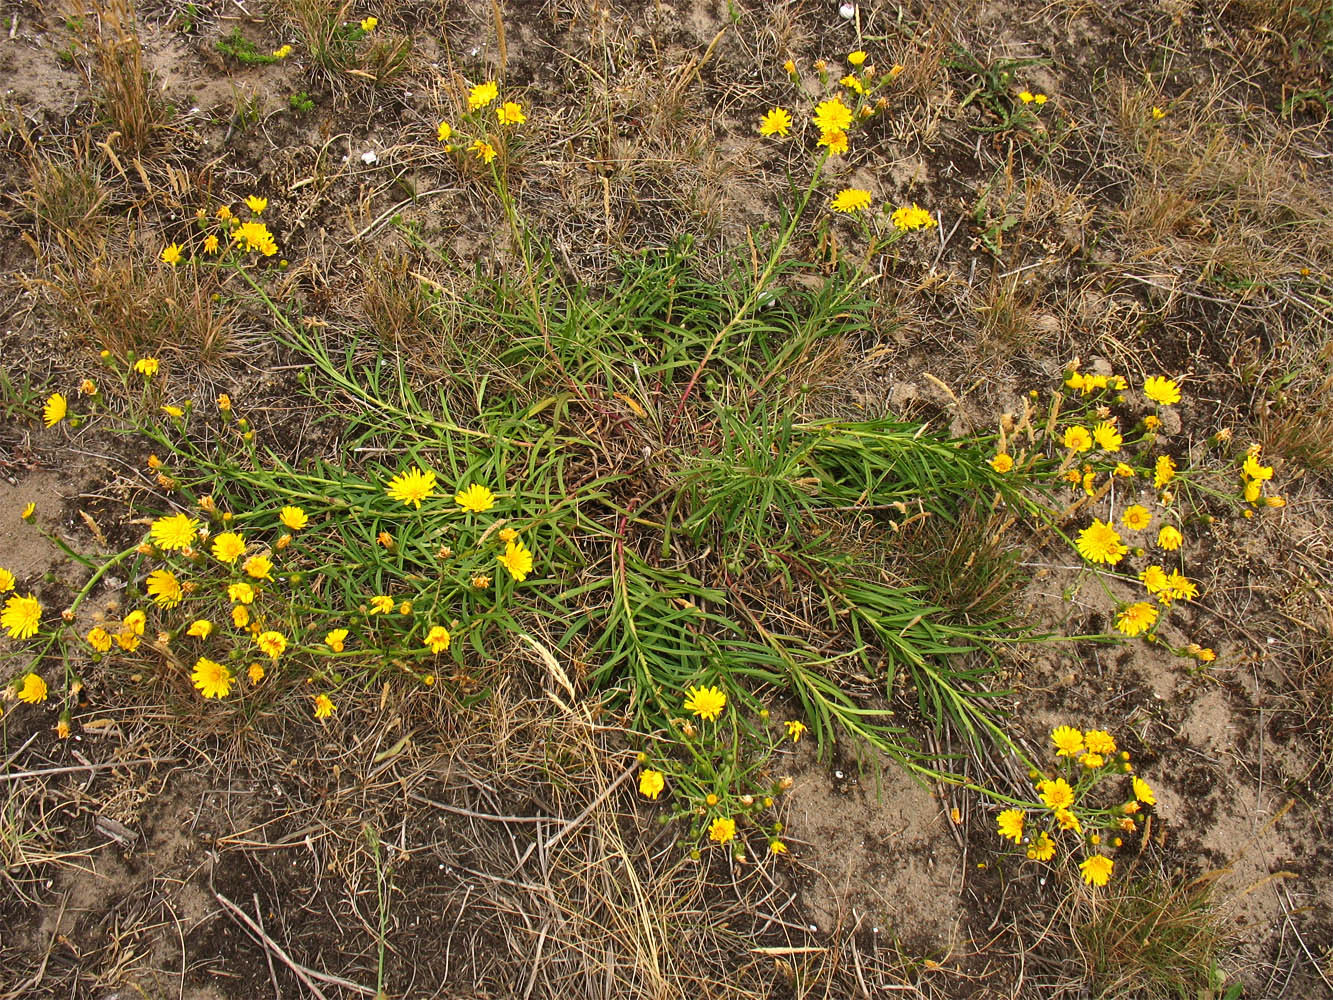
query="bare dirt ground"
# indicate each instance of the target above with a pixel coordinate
(496, 849)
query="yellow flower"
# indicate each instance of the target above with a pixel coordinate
(1154, 578)
(443, 131)
(88, 387)
(476, 498)
(1143, 791)
(482, 94)
(1107, 437)
(856, 58)
(1151, 422)
(1043, 848)
(256, 672)
(336, 639)
(1066, 820)
(789, 67)
(437, 639)
(481, 581)
(258, 567)
(255, 236)
(851, 200)
(324, 706)
(1100, 543)
(1010, 824)
(173, 411)
(511, 113)
(1136, 518)
(1099, 741)
(224, 403)
(777, 847)
(722, 829)
(1092, 761)
(836, 141)
(1161, 389)
(274, 644)
(706, 702)
(507, 535)
(1136, 618)
(776, 121)
(1179, 588)
(651, 783)
(134, 622)
(256, 204)
(1068, 741)
(200, 628)
(293, 517)
(1025, 96)
(794, 729)
(99, 638)
(212, 679)
(1056, 794)
(855, 84)
(224, 214)
(1096, 869)
(171, 254)
(228, 547)
(832, 115)
(369, 24)
(54, 410)
(175, 532)
(911, 217)
(1157, 113)
(1251, 468)
(411, 487)
(1002, 463)
(164, 588)
(210, 243)
(1039, 99)
(282, 52)
(484, 150)
(1169, 538)
(147, 367)
(517, 560)
(6, 580)
(33, 690)
(241, 593)
(1164, 471)
(1077, 439)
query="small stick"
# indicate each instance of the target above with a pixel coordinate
(268, 955)
(15, 775)
(306, 975)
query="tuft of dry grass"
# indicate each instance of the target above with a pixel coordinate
(127, 94)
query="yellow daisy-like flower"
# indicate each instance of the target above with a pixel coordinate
(476, 498)
(1077, 439)
(171, 254)
(324, 706)
(1056, 794)
(55, 409)
(1169, 538)
(256, 204)
(1154, 578)
(6, 581)
(484, 150)
(832, 115)
(212, 679)
(175, 532)
(851, 200)
(912, 217)
(411, 487)
(336, 639)
(444, 131)
(99, 638)
(1068, 741)
(282, 52)
(1136, 517)
(134, 622)
(1143, 791)
(382, 604)
(1100, 543)
(33, 689)
(1010, 825)
(482, 94)
(1066, 820)
(507, 535)
(1092, 761)
(1124, 471)
(1099, 741)
(255, 672)
(794, 729)
(1179, 588)
(1163, 471)
(1251, 468)
(722, 829)
(164, 588)
(293, 517)
(224, 214)
(853, 83)
(369, 24)
(210, 244)
(437, 639)
(511, 113)
(1002, 463)
(241, 593)
(258, 567)
(777, 847)
(1136, 618)
(147, 367)
(651, 783)
(1025, 96)
(1161, 389)
(517, 559)
(274, 644)
(1107, 437)
(1096, 869)
(776, 121)
(255, 236)
(856, 58)
(228, 547)
(836, 141)
(706, 702)
(1043, 848)
(200, 628)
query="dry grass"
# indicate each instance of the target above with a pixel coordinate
(127, 95)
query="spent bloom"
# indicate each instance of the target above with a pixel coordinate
(776, 121)
(54, 410)
(482, 94)
(851, 200)
(706, 702)
(476, 499)
(211, 678)
(175, 532)
(411, 487)
(33, 690)
(651, 783)
(1100, 543)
